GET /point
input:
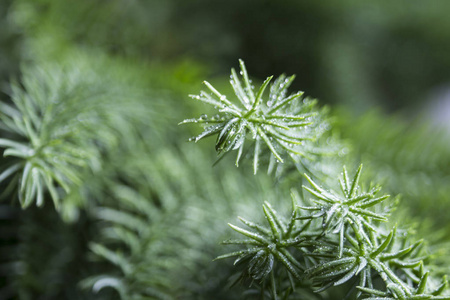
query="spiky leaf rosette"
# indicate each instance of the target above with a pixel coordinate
(351, 206)
(285, 124)
(401, 269)
(60, 121)
(42, 137)
(364, 247)
(268, 245)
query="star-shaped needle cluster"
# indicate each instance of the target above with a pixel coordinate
(351, 206)
(284, 123)
(265, 245)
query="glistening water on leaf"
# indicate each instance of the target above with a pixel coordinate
(344, 238)
(267, 246)
(285, 124)
(338, 210)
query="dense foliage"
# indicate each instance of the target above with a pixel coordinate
(103, 197)
(343, 235)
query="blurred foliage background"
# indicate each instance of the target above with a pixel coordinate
(362, 54)
(149, 221)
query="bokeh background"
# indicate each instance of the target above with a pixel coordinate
(392, 55)
(383, 67)
(350, 52)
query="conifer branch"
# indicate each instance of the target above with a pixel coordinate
(287, 125)
(345, 239)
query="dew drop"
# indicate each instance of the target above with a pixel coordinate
(343, 152)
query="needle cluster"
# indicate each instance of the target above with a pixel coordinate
(284, 123)
(343, 242)
(336, 237)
